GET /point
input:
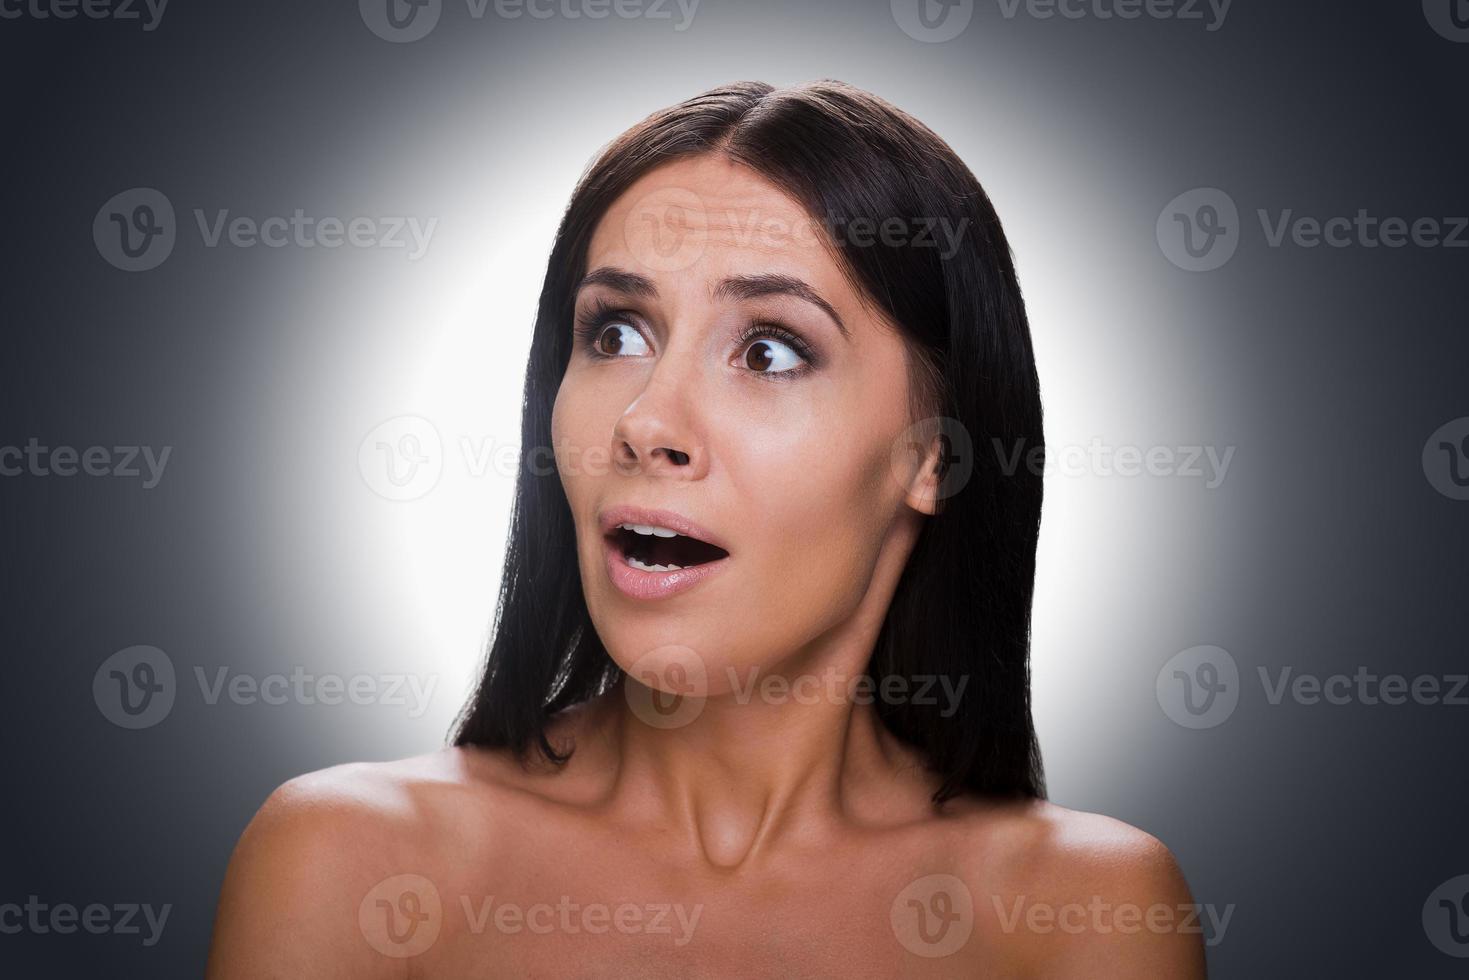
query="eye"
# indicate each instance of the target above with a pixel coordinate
(618, 338)
(771, 357)
(771, 349)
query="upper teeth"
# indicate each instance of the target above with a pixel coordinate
(661, 532)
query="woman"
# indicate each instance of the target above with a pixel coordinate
(775, 718)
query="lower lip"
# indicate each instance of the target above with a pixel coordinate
(638, 584)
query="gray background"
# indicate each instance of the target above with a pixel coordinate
(265, 548)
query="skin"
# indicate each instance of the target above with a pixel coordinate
(790, 827)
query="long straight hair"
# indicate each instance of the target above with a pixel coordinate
(962, 605)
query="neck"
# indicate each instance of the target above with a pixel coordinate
(777, 756)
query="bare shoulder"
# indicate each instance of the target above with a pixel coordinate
(1079, 849)
(391, 808)
(322, 842)
(326, 848)
(1081, 894)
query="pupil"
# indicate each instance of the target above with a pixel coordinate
(616, 342)
(762, 359)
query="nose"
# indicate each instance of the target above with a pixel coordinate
(657, 434)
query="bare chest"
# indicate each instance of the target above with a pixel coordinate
(593, 913)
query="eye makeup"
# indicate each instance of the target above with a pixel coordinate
(600, 314)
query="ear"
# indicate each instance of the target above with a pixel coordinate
(921, 491)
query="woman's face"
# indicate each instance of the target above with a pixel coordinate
(728, 372)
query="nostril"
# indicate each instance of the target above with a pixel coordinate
(680, 459)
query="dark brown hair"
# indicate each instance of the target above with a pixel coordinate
(962, 606)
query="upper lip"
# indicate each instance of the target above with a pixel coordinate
(611, 517)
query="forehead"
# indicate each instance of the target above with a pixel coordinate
(704, 217)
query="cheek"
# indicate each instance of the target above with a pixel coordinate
(818, 499)
(580, 435)
(812, 465)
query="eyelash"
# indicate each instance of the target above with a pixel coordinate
(590, 324)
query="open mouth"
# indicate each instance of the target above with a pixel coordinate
(659, 549)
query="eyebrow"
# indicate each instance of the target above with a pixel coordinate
(733, 287)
